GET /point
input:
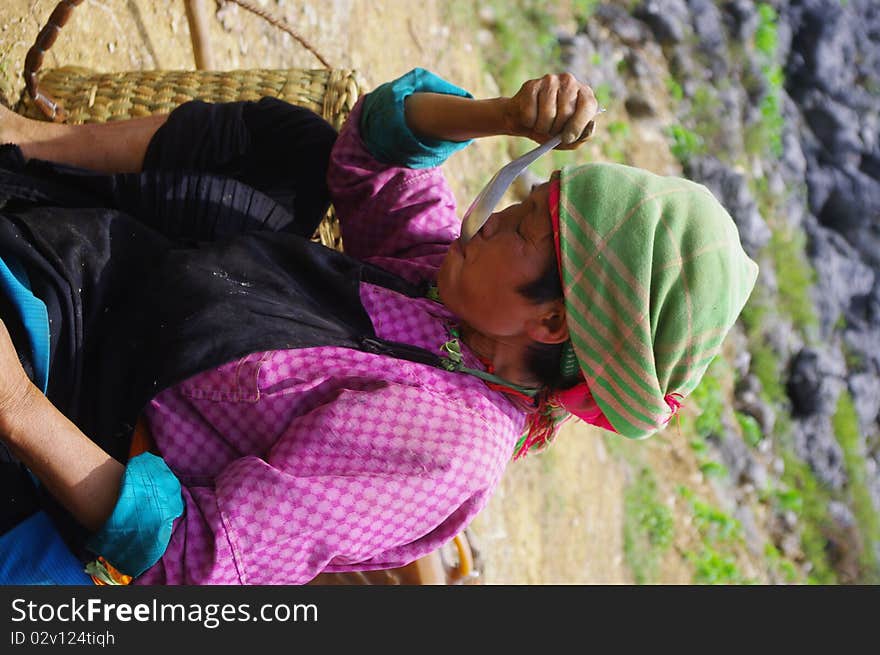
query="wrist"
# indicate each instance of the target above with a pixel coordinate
(507, 116)
(17, 412)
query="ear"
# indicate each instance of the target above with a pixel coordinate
(550, 326)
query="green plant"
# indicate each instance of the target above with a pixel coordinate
(813, 514)
(846, 428)
(795, 276)
(709, 398)
(527, 45)
(602, 91)
(686, 144)
(855, 361)
(705, 116)
(584, 9)
(648, 527)
(751, 430)
(712, 567)
(713, 469)
(766, 40)
(767, 368)
(787, 499)
(614, 148)
(765, 137)
(753, 315)
(779, 565)
(714, 561)
(674, 89)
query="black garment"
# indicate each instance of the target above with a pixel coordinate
(92, 245)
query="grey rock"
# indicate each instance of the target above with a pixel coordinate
(637, 66)
(669, 20)
(841, 274)
(863, 312)
(873, 468)
(628, 29)
(854, 200)
(747, 399)
(577, 53)
(869, 133)
(841, 514)
(814, 442)
(814, 382)
(835, 126)
(865, 344)
(825, 49)
(793, 160)
(751, 403)
(865, 391)
(741, 20)
(732, 190)
(639, 105)
(708, 24)
(743, 467)
(742, 358)
(712, 41)
(821, 181)
(732, 100)
(777, 329)
(746, 517)
(853, 209)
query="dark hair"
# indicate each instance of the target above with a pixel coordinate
(543, 359)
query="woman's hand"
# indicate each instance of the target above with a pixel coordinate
(551, 105)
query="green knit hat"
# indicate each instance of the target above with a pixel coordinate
(654, 277)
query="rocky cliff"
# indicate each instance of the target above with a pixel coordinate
(775, 107)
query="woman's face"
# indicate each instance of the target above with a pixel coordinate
(479, 281)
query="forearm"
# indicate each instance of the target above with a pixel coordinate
(455, 118)
(79, 474)
(115, 147)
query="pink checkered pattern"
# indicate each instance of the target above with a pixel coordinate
(330, 459)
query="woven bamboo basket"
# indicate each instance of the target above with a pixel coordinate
(92, 97)
(77, 95)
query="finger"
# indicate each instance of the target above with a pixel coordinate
(546, 104)
(527, 105)
(578, 126)
(566, 102)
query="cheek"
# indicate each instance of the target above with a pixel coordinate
(449, 283)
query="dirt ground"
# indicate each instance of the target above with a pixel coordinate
(556, 518)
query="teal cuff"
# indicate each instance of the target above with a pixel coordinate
(138, 531)
(383, 122)
(14, 282)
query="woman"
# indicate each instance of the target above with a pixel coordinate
(315, 411)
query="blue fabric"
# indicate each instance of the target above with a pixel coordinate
(33, 553)
(138, 531)
(383, 122)
(15, 284)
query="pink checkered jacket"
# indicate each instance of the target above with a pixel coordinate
(297, 462)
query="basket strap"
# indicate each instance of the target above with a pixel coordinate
(281, 25)
(34, 59)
